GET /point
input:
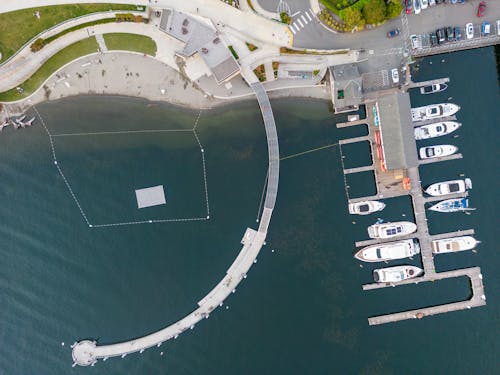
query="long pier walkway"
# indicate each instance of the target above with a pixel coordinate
(87, 352)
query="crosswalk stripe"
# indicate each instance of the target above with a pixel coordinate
(304, 19)
(308, 16)
(296, 26)
(300, 23)
(291, 28)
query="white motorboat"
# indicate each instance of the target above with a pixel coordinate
(30, 121)
(452, 205)
(395, 274)
(433, 111)
(437, 151)
(436, 129)
(451, 245)
(388, 251)
(389, 230)
(431, 89)
(449, 187)
(365, 207)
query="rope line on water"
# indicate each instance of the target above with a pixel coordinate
(309, 151)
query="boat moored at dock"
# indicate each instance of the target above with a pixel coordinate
(436, 129)
(454, 244)
(395, 274)
(431, 89)
(365, 207)
(449, 187)
(452, 205)
(388, 251)
(389, 230)
(437, 151)
(434, 111)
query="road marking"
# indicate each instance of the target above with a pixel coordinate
(293, 15)
(300, 23)
(308, 16)
(293, 30)
(296, 26)
(304, 19)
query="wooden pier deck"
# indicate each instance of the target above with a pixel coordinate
(366, 168)
(478, 297)
(442, 119)
(439, 159)
(444, 197)
(413, 85)
(467, 232)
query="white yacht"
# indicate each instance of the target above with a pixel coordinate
(20, 119)
(388, 251)
(389, 230)
(436, 129)
(395, 274)
(449, 187)
(433, 111)
(451, 245)
(437, 151)
(452, 205)
(365, 207)
(30, 121)
(431, 89)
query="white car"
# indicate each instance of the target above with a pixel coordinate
(395, 75)
(469, 30)
(425, 4)
(432, 3)
(416, 6)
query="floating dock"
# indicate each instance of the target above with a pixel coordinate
(396, 170)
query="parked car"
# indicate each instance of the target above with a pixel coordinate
(424, 4)
(481, 9)
(395, 75)
(450, 35)
(416, 6)
(439, 1)
(432, 3)
(393, 33)
(458, 33)
(433, 38)
(469, 30)
(409, 6)
(453, 1)
(415, 42)
(441, 37)
(485, 28)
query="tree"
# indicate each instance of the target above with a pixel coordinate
(394, 8)
(374, 12)
(353, 18)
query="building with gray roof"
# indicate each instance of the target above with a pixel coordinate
(346, 87)
(202, 39)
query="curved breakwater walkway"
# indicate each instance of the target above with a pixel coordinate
(87, 352)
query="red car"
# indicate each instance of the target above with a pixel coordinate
(409, 6)
(481, 9)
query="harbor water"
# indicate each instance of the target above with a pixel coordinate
(301, 309)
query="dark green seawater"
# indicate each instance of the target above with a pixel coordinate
(301, 310)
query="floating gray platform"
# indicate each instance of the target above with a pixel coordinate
(152, 196)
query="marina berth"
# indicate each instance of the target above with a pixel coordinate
(431, 89)
(452, 205)
(436, 129)
(395, 274)
(436, 151)
(365, 207)
(449, 187)
(454, 244)
(434, 111)
(389, 230)
(388, 251)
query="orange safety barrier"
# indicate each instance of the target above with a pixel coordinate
(406, 183)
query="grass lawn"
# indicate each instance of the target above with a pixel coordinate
(18, 27)
(73, 51)
(130, 42)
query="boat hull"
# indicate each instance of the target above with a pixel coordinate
(395, 274)
(448, 187)
(366, 207)
(391, 230)
(388, 251)
(454, 244)
(438, 151)
(437, 129)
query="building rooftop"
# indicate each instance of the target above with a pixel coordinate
(396, 128)
(203, 39)
(347, 87)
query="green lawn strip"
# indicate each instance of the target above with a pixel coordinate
(78, 27)
(70, 53)
(130, 42)
(18, 27)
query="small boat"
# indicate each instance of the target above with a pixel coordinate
(436, 129)
(433, 111)
(389, 230)
(20, 119)
(431, 89)
(395, 274)
(451, 245)
(366, 207)
(449, 187)
(30, 121)
(388, 251)
(452, 205)
(437, 151)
